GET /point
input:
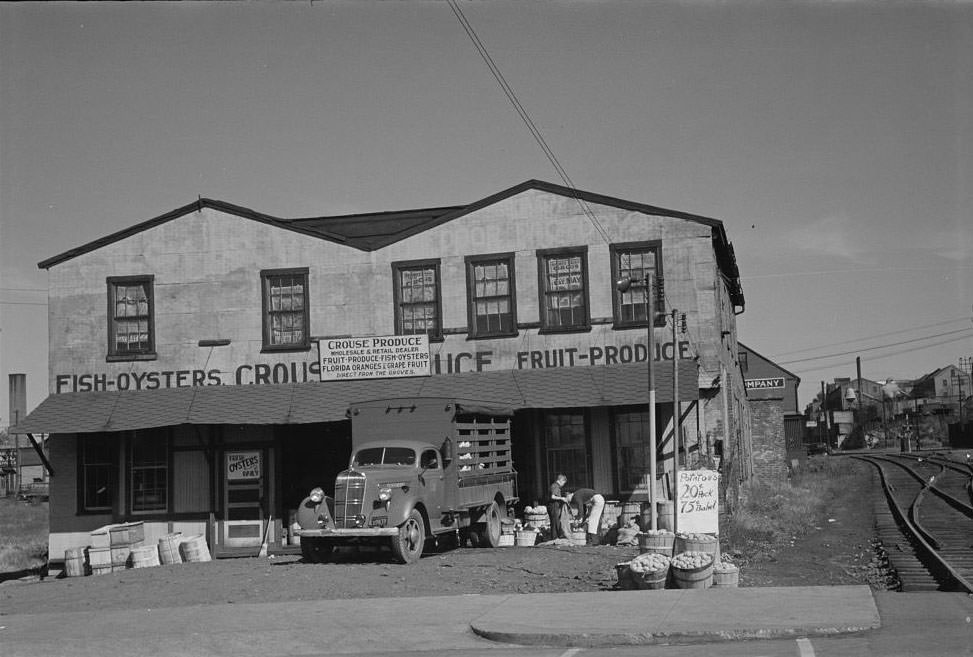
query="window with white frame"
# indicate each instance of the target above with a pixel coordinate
(634, 262)
(131, 317)
(418, 298)
(563, 275)
(285, 309)
(492, 302)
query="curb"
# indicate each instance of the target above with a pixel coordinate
(607, 640)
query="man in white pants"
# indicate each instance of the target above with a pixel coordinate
(589, 506)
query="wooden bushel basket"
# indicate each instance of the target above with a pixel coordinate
(657, 543)
(169, 548)
(525, 538)
(693, 578)
(195, 549)
(652, 580)
(710, 545)
(626, 580)
(726, 576)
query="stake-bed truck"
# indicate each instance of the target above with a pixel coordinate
(419, 468)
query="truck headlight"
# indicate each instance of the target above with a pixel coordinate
(384, 494)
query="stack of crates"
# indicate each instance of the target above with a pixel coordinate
(111, 546)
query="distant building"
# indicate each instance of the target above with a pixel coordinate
(777, 424)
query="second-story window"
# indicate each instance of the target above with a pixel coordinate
(492, 304)
(563, 284)
(418, 298)
(131, 317)
(285, 309)
(635, 261)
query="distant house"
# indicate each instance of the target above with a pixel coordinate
(943, 391)
(776, 423)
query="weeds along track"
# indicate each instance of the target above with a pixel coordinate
(927, 526)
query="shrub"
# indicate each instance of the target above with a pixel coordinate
(23, 536)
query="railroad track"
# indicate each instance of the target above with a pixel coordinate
(925, 522)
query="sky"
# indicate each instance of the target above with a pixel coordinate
(833, 139)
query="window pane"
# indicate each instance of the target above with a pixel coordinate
(418, 301)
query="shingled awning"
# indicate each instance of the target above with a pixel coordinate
(306, 403)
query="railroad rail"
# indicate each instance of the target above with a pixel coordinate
(927, 525)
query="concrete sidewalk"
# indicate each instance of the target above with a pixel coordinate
(601, 619)
(615, 618)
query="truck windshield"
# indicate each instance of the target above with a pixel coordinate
(385, 456)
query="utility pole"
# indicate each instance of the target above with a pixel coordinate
(675, 425)
(861, 416)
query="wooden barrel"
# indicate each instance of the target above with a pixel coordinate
(99, 560)
(169, 548)
(652, 580)
(658, 543)
(194, 549)
(663, 515)
(74, 562)
(726, 576)
(693, 578)
(145, 556)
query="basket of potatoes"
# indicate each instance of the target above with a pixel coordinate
(692, 570)
(649, 570)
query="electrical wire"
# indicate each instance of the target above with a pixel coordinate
(870, 337)
(967, 331)
(525, 117)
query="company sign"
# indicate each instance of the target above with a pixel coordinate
(764, 384)
(383, 357)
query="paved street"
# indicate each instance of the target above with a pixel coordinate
(911, 624)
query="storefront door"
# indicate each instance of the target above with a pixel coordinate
(243, 499)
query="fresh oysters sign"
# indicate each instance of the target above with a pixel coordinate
(381, 357)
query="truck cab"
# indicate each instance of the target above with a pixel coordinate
(420, 467)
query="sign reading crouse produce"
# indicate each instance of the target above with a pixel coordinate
(381, 357)
(698, 505)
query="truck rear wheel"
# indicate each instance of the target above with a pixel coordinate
(490, 529)
(408, 545)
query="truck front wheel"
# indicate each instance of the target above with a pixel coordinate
(407, 546)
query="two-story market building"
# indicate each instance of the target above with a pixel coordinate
(199, 378)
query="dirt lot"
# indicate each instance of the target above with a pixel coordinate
(837, 549)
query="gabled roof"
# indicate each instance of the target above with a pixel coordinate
(769, 361)
(376, 230)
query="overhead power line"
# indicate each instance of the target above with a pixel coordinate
(968, 333)
(525, 117)
(870, 337)
(851, 363)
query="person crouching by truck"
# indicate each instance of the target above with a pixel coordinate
(589, 505)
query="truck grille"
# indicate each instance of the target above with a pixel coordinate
(349, 493)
